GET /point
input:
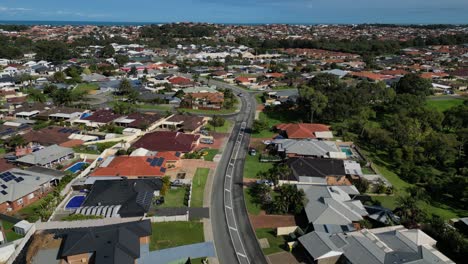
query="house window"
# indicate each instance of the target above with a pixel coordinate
(31, 196)
(19, 201)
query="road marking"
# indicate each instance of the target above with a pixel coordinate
(232, 228)
(242, 255)
(228, 207)
(227, 190)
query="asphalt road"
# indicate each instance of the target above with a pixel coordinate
(234, 237)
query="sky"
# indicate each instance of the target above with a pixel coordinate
(240, 11)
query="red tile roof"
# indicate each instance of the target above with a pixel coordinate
(178, 80)
(49, 135)
(136, 166)
(394, 72)
(167, 141)
(370, 75)
(302, 130)
(103, 116)
(430, 75)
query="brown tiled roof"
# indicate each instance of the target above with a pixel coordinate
(143, 119)
(210, 97)
(167, 141)
(49, 135)
(189, 122)
(302, 130)
(72, 143)
(103, 116)
(4, 165)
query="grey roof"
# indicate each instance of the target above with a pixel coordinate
(316, 148)
(46, 171)
(313, 167)
(17, 183)
(46, 155)
(388, 245)
(117, 244)
(330, 208)
(337, 72)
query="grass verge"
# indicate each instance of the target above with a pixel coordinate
(174, 234)
(198, 187)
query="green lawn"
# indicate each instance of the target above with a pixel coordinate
(252, 166)
(155, 107)
(174, 198)
(174, 234)
(86, 87)
(198, 186)
(259, 98)
(252, 208)
(224, 129)
(30, 211)
(277, 243)
(445, 104)
(2, 151)
(211, 154)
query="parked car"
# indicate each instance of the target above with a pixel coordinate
(160, 200)
(253, 152)
(206, 141)
(240, 94)
(266, 182)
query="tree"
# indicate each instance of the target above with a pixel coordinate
(413, 84)
(16, 141)
(409, 212)
(361, 184)
(107, 51)
(217, 121)
(133, 71)
(289, 199)
(121, 59)
(36, 95)
(125, 87)
(259, 125)
(59, 77)
(123, 108)
(52, 50)
(314, 102)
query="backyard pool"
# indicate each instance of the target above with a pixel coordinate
(75, 202)
(347, 150)
(77, 167)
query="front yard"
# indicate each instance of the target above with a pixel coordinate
(252, 166)
(174, 234)
(223, 129)
(277, 243)
(174, 198)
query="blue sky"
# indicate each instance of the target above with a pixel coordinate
(240, 11)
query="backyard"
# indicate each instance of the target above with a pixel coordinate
(174, 234)
(9, 232)
(174, 198)
(198, 186)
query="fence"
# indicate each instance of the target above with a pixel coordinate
(172, 218)
(21, 245)
(8, 218)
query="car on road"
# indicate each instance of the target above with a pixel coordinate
(240, 94)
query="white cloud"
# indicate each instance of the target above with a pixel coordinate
(5, 9)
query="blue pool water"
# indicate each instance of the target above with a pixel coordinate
(75, 202)
(77, 167)
(347, 150)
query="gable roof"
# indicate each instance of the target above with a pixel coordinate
(306, 147)
(16, 183)
(188, 122)
(302, 130)
(102, 116)
(46, 155)
(118, 244)
(49, 135)
(167, 141)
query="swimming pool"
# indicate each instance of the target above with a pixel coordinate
(347, 150)
(75, 202)
(77, 167)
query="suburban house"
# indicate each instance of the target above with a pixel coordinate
(168, 141)
(181, 82)
(120, 197)
(393, 244)
(61, 114)
(125, 243)
(47, 157)
(279, 97)
(304, 131)
(138, 120)
(243, 80)
(47, 136)
(330, 209)
(288, 148)
(185, 123)
(138, 167)
(209, 101)
(98, 118)
(19, 188)
(322, 171)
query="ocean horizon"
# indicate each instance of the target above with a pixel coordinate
(123, 23)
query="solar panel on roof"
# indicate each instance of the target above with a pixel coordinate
(177, 154)
(149, 160)
(3, 186)
(163, 169)
(62, 130)
(160, 162)
(21, 179)
(153, 162)
(3, 192)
